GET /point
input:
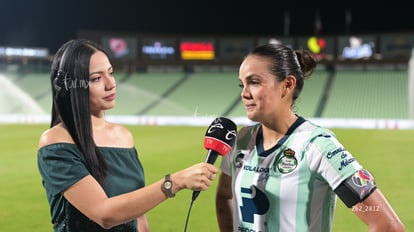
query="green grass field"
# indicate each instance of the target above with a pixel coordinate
(23, 205)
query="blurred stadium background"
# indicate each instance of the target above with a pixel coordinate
(361, 80)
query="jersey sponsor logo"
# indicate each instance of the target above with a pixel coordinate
(254, 202)
(331, 154)
(288, 162)
(345, 162)
(255, 169)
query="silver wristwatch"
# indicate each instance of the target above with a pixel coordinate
(167, 186)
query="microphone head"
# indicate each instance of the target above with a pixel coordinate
(221, 136)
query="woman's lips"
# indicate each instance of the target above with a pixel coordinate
(110, 97)
(249, 106)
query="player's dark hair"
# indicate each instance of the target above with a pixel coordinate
(69, 78)
(286, 61)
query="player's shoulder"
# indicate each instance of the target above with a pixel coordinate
(55, 134)
(249, 130)
(316, 132)
(325, 141)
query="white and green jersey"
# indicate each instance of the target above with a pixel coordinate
(290, 186)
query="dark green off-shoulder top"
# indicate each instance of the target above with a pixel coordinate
(61, 165)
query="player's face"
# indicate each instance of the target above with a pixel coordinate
(261, 92)
(102, 86)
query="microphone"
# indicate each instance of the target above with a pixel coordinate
(219, 140)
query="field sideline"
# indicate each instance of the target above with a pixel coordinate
(163, 149)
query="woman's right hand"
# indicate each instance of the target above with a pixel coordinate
(197, 177)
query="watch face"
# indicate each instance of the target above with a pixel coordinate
(167, 184)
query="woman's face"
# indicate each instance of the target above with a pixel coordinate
(261, 92)
(102, 86)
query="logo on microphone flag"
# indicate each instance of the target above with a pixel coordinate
(216, 145)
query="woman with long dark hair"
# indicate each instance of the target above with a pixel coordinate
(90, 168)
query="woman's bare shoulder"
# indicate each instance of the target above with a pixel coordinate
(113, 135)
(124, 134)
(56, 134)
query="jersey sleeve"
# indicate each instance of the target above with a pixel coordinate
(60, 166)
(246, 138)
(225, 164)
(330, 159)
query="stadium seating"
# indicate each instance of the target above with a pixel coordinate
(353, 94)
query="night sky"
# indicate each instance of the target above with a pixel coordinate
(41, 23)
